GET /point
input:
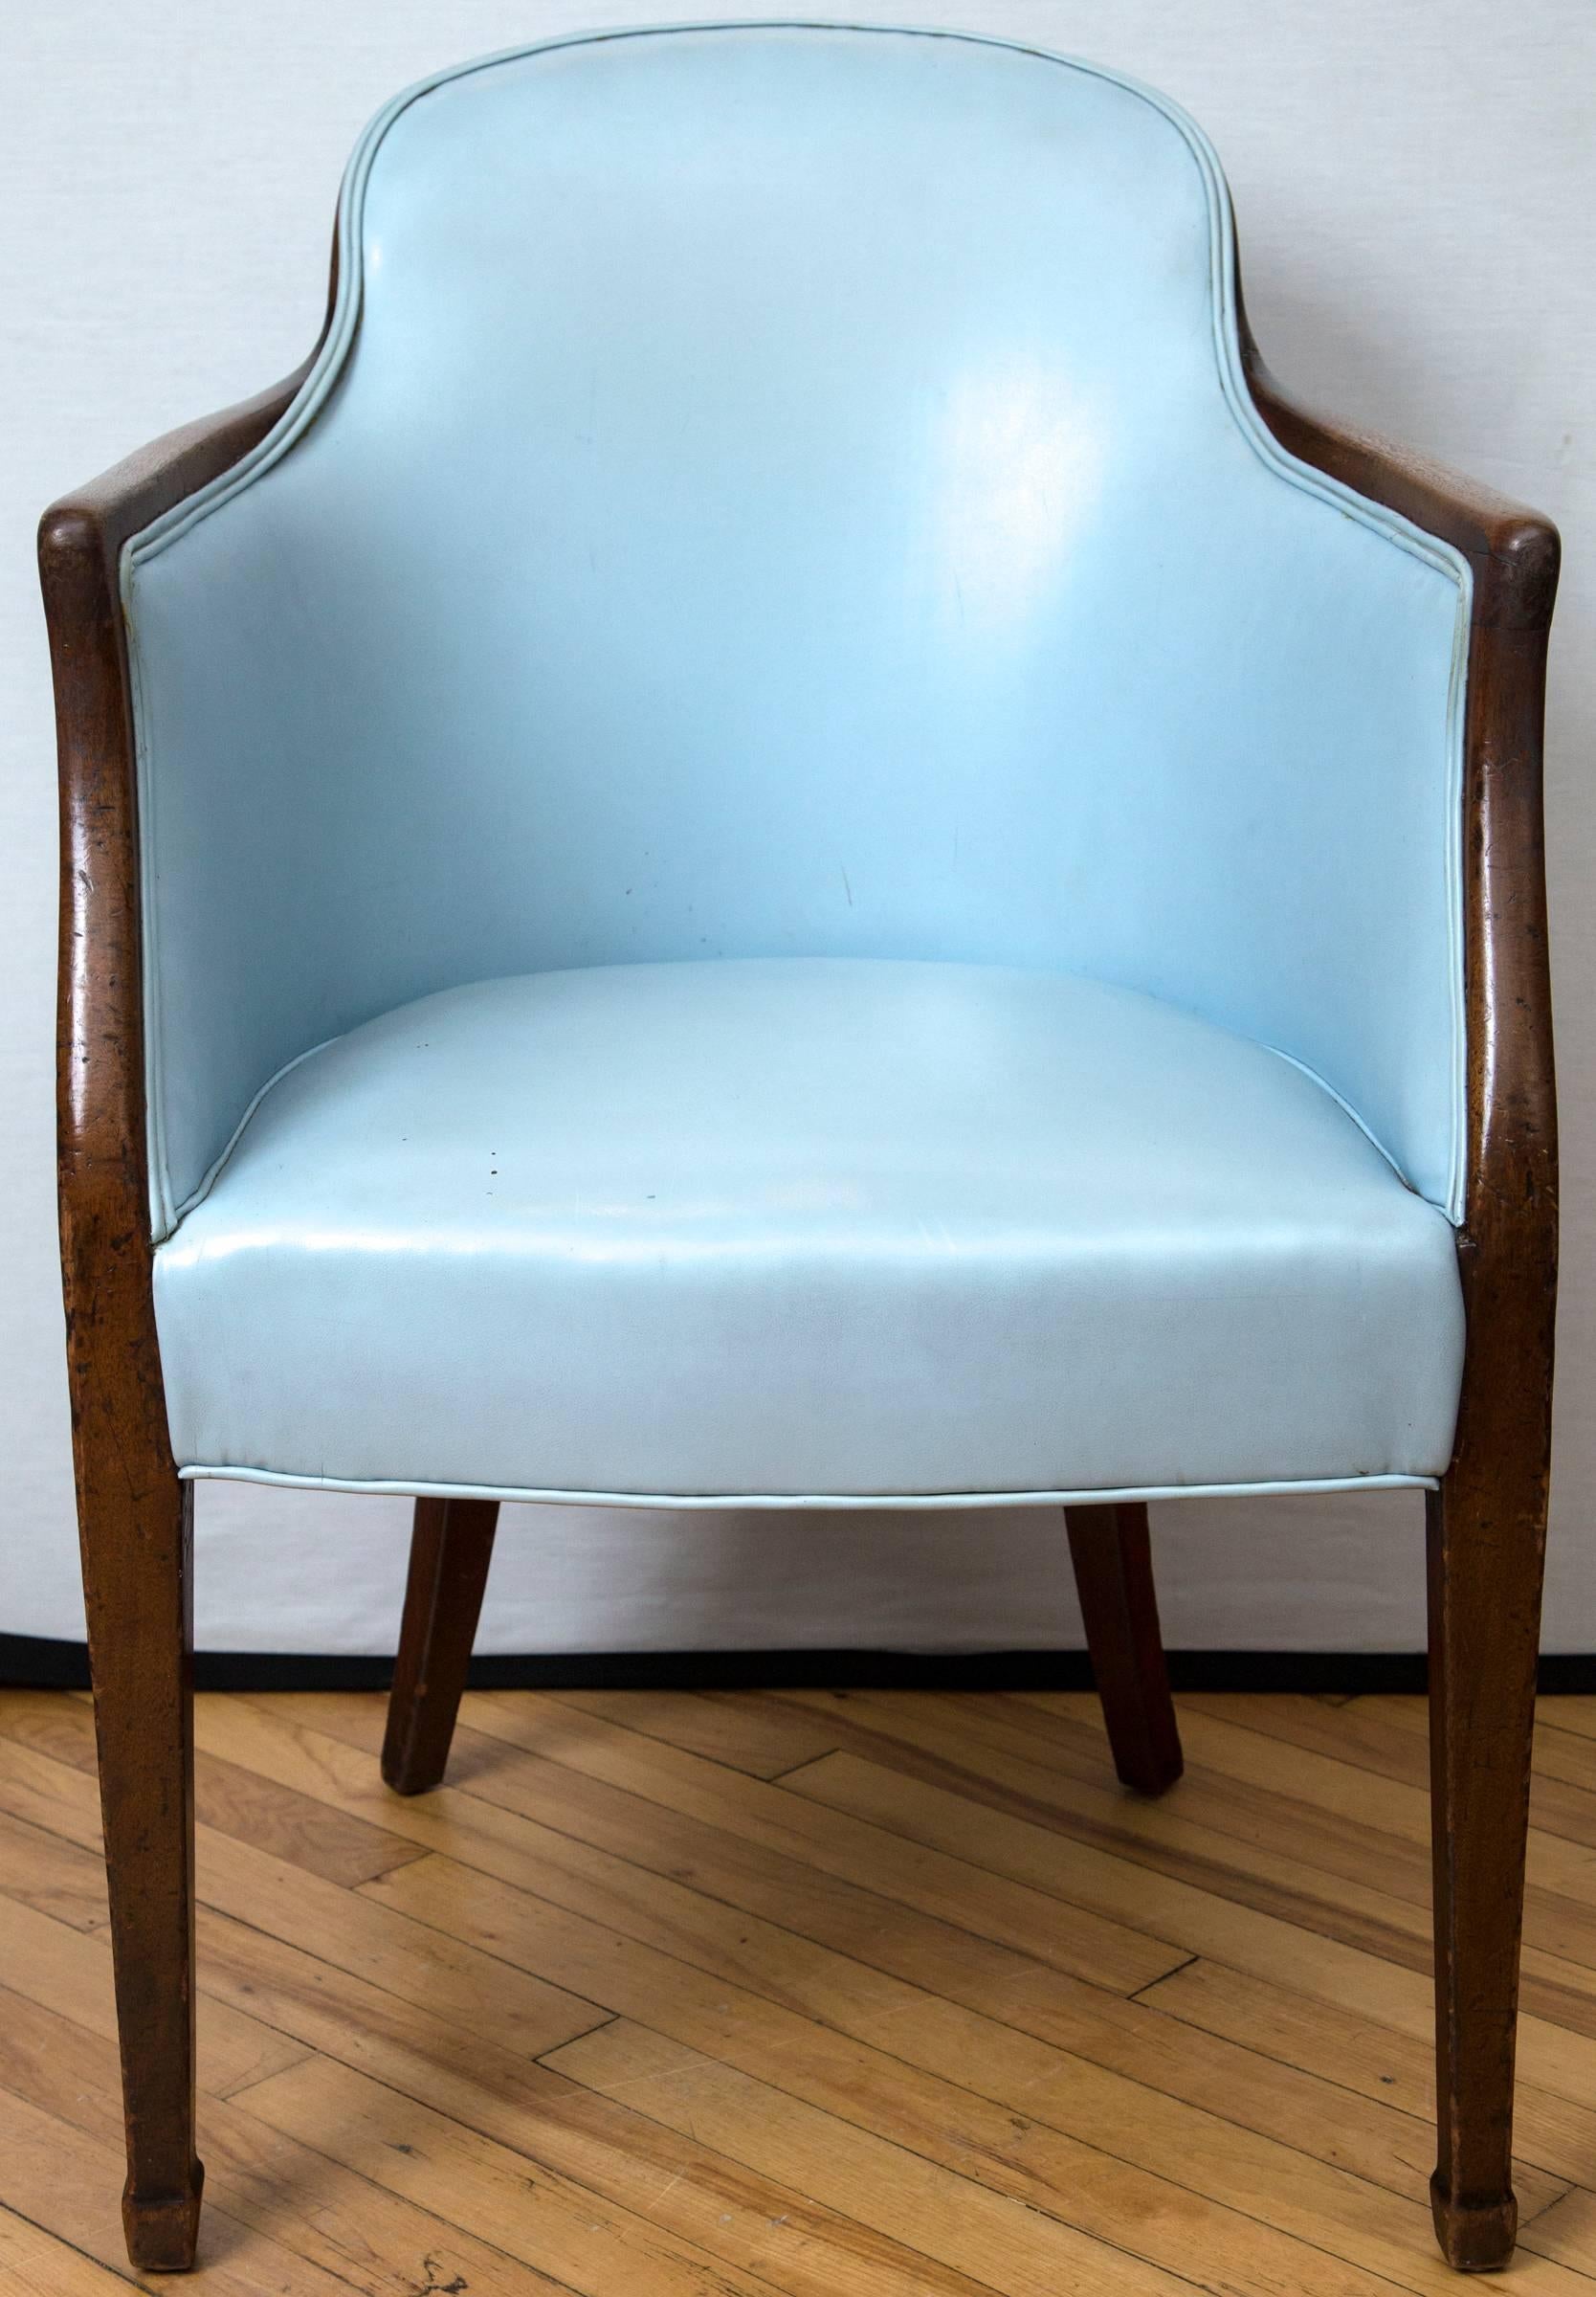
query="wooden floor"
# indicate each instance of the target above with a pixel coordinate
(839, 1995)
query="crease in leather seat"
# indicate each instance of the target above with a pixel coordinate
(722, 1230)
(788, 496)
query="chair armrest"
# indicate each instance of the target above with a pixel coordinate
(100, 1085)
(102, 1165)
(80, 540)
(1507, 1244)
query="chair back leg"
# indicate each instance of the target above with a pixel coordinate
(1486, 1547)
(451, 1550)
(1112, 1553)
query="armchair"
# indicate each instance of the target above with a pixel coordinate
(781, 835)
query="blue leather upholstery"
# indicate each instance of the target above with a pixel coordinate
(788, 493)
(807, 1228)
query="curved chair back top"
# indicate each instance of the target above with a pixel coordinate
(781, 490)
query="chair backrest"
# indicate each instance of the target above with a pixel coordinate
(790, 489)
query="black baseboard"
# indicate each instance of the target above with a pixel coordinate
(41, 1662)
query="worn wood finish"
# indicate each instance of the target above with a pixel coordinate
(938, 2012)
(1486, 1536)
(1112, 1553)
(451, 1550)
(1486, 1524)
(135, 1522)
(134, 1516)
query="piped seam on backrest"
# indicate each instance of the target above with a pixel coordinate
(339, 336)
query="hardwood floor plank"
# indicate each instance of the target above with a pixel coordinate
(233, 1802)
(259, 2175)
(1072, 1739)
(61, 1879)
(1388, 1737)
(33, 2263)
(69, 2185)
(791, 1995)
(1331, 1789)
(1044, 2126)
(1563, 1755)
(1570, 1712)
(1566, 2234)
(683, 2087)
(1108, 1954)
(568, 1885)
(740, 1729)
(1391, 1736)
(1278, 1853)
(1040, 2259)
(1130, 2038)
(1205, 1921)
(410, 2046)
(887, 2183)
(228, 1797)
(1206, 1834)
(1285, 1820)
(1343, 2049)
(1119, 1956)
(544, 2218)
(335, 1924)
(69, 1971)
(501, 2094)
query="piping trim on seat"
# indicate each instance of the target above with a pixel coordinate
(695, 1501)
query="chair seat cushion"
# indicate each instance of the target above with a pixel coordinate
(818, 1230)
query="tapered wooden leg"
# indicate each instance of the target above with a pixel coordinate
(451, 1548)
(1486, 1543)
(1113, 1558)
(135, 1522)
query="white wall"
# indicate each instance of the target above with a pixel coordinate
(1416, 187)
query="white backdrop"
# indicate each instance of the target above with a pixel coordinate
(1416, 187)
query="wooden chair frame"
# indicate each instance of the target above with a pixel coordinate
(1486, 1525)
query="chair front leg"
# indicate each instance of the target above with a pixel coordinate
(135, 1521)
(1486, 1529)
